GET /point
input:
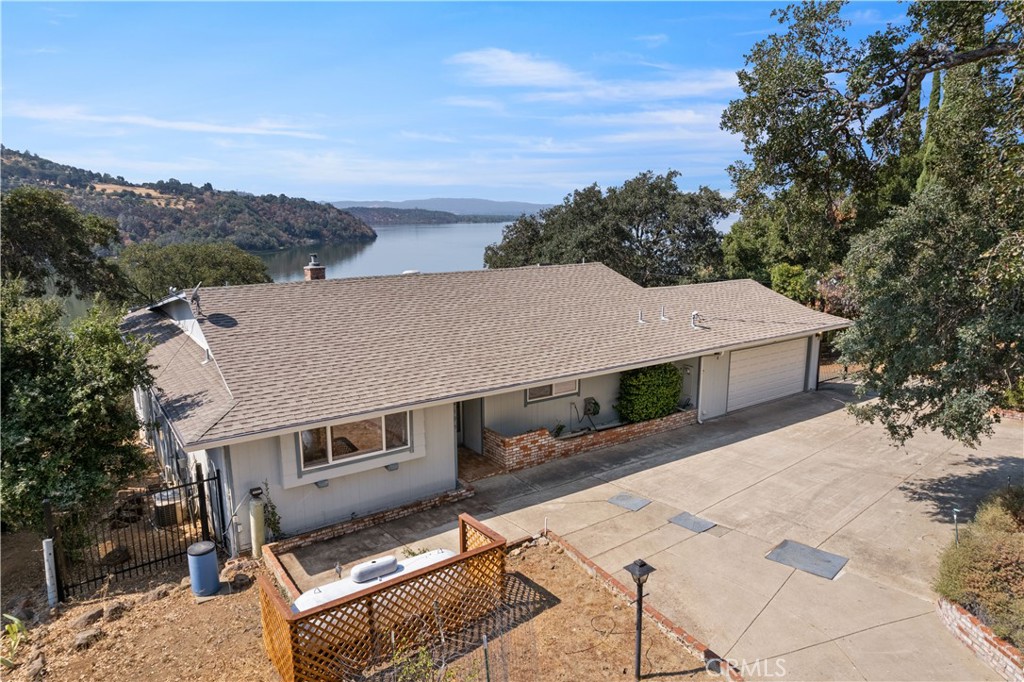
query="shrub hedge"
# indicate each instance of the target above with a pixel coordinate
(985, 574)
(648, 392)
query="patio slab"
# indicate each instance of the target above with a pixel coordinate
(612, 532)
(798, 468)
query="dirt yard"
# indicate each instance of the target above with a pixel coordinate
(153, 629)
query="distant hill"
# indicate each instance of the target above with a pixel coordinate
(456, 206)
(419, 216)
(170, 211)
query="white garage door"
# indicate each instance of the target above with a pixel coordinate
(766, 372)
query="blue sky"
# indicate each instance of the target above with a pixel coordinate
(523, 101)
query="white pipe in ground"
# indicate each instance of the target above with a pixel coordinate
(256, 526)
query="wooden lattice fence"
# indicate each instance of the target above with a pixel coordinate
(343, 638)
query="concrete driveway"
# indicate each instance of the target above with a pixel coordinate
(799, 469)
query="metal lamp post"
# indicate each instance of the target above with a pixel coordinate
(639, 569)
(956, 526)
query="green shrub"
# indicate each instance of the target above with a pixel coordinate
(985, 574)
(1015, 396)
(648, 392)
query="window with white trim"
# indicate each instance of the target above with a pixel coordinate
(353, 439)
(555, 390)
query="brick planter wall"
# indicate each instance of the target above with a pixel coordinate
(998, 654)
(370, 520)
(536, 447)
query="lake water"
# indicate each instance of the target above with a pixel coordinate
(427, 248)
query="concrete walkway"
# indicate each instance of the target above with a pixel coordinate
(799, 469)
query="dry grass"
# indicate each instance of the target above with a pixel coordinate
(153, 196)
(583, 634)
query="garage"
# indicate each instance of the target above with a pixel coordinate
(757, 375)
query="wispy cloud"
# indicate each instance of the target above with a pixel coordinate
(755, 32)
(674, 86)
(74, 114)
(136, 168)
(551, 81)
(646, 118)
(427, 137)
(697, 128)
(869, 16)
(495, 66)
(652, 41)
(474, 103)
(535, 144)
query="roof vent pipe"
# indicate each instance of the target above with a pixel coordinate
(664, 317)
(640, 317)
(695, 320)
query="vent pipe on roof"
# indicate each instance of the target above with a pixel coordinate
(664, 317)
(314, 270)
(640, 317)
(696, 320)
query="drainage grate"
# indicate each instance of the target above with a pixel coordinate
(691, 522)
(808, 559)
(630, 502)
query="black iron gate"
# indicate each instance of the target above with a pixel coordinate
(140, 533)
(830, 366)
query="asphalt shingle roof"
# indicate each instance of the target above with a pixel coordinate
(307, 352)
(191, 391)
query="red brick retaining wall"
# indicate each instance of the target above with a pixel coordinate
(998, 654)
(536, 447)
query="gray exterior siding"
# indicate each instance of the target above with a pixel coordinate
(430, 469)
(714, 385)
(509, 413)
(813, 353)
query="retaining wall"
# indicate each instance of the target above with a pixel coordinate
(998, 654)
(536, 447)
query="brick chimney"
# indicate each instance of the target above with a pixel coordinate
(314, 270)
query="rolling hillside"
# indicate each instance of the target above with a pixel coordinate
(170, 211)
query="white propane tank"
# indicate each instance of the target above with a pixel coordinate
(256, 526)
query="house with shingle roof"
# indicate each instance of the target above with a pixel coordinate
(352, 396)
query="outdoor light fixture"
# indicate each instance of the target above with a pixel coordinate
(639, 569)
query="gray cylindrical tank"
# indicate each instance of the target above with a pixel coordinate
(202, 568)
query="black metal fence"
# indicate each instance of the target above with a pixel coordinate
(140, 533)
(830, 366)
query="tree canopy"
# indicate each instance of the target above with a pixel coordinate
(69, 423)
(648, 230)
(833, 128)
(927, 223)
(47, 240)
(152, 270)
